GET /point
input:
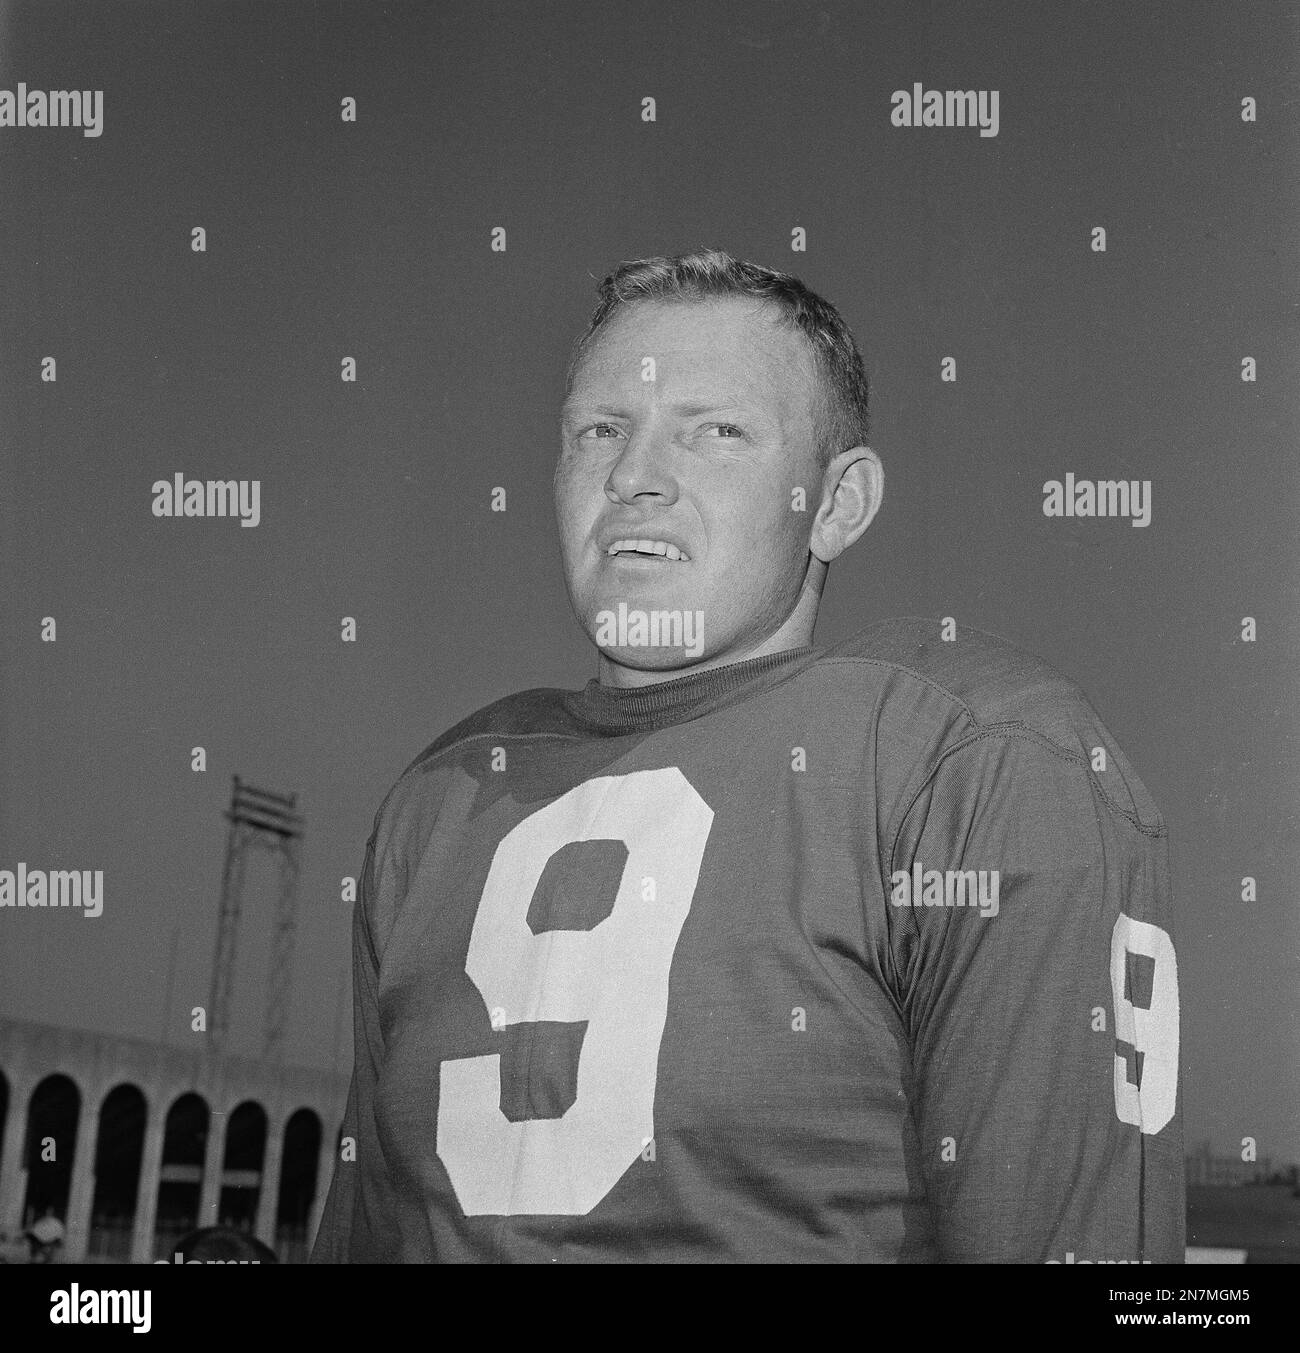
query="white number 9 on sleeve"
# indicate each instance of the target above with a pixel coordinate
(1152, 1032)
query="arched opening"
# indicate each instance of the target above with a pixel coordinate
(52, 1116)
(10, 1247)
(118, 1154)
(241, 1175)
(185, 1139)
(4, 1118)
(299, 1161)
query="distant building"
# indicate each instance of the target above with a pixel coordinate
(1204, 1167)
(132, 1143)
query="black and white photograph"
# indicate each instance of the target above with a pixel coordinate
(651, 633)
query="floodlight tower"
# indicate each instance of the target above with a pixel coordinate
(259, 820)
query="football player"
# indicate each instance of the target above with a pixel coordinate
(750, 950)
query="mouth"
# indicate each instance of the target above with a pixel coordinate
(650, 551)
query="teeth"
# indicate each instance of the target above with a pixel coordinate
(661, 547)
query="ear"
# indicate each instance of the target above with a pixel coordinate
(852, 489)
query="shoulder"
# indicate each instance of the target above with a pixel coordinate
(983, 679)
(440, 783)
(536, 713)
(531, 713)
(947, 693)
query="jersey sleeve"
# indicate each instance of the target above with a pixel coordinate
(343, 1218)
(1032, 938)
(370, 1208)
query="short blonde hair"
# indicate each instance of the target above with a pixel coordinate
(843, 402)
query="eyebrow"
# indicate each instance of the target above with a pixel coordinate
(693, 410)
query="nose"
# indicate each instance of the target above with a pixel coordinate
(642, 471)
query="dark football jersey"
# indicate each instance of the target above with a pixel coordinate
(856, 954)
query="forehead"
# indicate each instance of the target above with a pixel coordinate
(731, 345)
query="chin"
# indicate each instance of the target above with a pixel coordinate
(647, 633)
(651, 659)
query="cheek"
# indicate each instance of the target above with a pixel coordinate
(579, 482)
(761, 536)
(572, 513)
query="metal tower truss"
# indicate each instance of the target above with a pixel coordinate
(259, 820)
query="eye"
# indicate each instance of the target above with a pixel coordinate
(598, 431)
(727, 429)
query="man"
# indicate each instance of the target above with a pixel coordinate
(748, 950)
(45, 1236)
